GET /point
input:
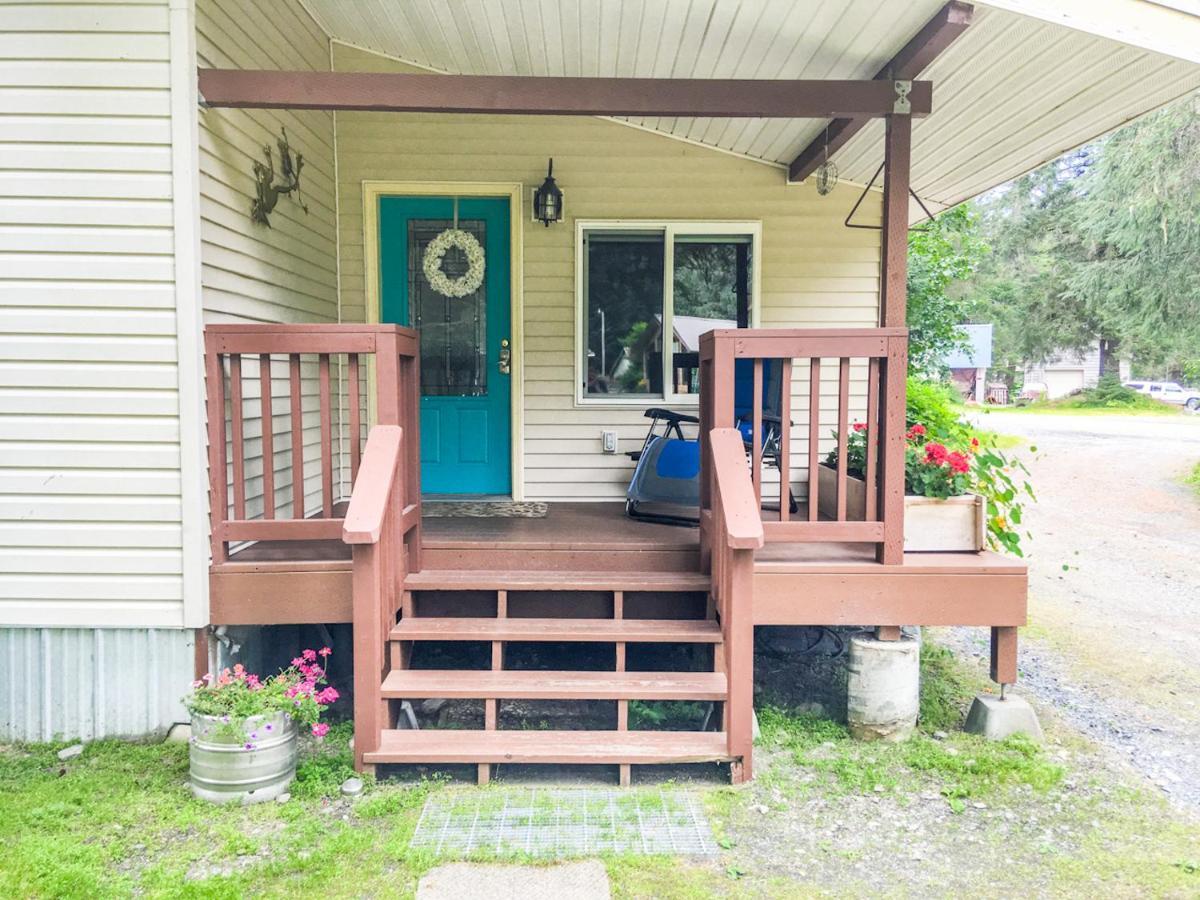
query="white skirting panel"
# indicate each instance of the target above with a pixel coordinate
(87, 683)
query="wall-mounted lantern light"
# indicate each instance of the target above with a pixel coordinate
(548, 200)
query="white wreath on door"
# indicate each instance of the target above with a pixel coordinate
(467, 283)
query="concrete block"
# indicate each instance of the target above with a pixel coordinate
(883, 683)
(996, 718)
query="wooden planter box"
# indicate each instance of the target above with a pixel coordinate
(930, 524)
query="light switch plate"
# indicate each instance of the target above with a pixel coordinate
(609, 440)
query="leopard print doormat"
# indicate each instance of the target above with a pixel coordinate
(484, 509)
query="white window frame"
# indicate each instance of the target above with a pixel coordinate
(670, 229)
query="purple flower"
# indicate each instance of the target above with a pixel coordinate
(224, 718)
(249, 746)
(254, 735)
(270, 727)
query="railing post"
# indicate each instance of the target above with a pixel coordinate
(388, 401)
(738, 576)
(218, 491)
(893, 377)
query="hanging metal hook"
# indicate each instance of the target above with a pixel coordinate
(863, 196)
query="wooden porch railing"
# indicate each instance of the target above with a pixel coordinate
(382, 526)
(737, 531)
(885, 352)
(246, 468)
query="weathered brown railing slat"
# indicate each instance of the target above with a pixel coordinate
(326, 408)
(785, 439)
(268, 436)
(843, 434)
(757, 425)
(355, 401)
(239, 437)
(872, 456)
(814, 434)
(297, 417)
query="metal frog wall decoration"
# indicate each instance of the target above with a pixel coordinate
(267, 190)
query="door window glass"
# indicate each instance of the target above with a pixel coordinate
(452, 330)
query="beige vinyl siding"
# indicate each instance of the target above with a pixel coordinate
(90, 505)
(285, 272)
(815, 272)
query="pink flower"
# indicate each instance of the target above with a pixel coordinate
(959, 462)
(324, 651)
(327, 696)
(320, 730)
(297, 661)
(310, 655)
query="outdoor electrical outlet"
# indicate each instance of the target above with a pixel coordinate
(609, 439)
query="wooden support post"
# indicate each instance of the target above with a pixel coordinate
(1004, 655)
(897, 155)
(892, 313)
(887, 633)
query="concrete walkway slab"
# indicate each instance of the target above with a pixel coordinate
(585, 880)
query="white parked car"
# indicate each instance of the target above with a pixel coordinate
(1168, 392)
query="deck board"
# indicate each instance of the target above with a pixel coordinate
(680, 631)
(558, 747)
(531, 684)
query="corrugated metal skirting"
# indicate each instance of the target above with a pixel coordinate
(86, 683)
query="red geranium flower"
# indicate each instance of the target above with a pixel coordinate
(935, 453)
(916, 431)
(860, 426)
(959, 462)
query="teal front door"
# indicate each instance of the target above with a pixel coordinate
(466, 434)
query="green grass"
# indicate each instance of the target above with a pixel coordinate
(959, 765)
(1051, 408)
(1192, 479)
(119, 820)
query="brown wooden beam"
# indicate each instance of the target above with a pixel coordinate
(928, 43)
(534, 95)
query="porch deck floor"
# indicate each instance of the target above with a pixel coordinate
(604, 527)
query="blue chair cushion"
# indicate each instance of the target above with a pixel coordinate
(679, 459)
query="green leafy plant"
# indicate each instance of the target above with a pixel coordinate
(299, 691)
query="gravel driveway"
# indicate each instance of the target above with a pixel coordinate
(1114, 637)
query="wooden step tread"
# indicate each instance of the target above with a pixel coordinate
(556, 747)
(468, 579)
(428, 628)
(557, 685)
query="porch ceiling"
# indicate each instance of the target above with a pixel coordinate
(1014, 91)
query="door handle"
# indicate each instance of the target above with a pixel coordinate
(505, 358)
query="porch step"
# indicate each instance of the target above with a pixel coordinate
(681, 631)
(458, 684)
(556, 747)
(471, 580)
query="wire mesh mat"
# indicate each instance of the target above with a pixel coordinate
(561, 822)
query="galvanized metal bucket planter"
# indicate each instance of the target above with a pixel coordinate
(247, 761)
